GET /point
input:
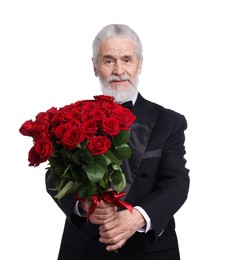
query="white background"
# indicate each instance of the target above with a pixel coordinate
(190, 65)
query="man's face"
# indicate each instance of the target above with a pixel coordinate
(118, 68)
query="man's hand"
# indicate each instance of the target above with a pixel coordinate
(121, 226)
(103, 213)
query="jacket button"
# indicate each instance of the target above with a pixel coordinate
(143, 175)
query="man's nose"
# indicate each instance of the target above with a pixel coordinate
(118, 68)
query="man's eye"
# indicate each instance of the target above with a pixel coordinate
(108, 61)
(127, 60)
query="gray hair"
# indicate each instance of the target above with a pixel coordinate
(113, 30)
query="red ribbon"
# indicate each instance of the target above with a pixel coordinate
(110, 197)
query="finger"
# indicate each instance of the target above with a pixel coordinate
(105, 209)
(101, 220)
(110, 237)
(103, 214)
(114, 247)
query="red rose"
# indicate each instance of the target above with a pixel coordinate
(36, 129)
(97, 114)
(42, 116)
(72, 114)
(100, 98)
(51, 112)
(27, 128)
(72, 137)
(72, 124)
(41, 128)
(67, 107)
(87, 105)
(86, 117)
(40, 152)
(56, 119)
(59, 131)
(111, 126)
(99, 145)
(108, 107)
(91, 129)
(124, 116)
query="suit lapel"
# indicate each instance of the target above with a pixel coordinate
(140, 133)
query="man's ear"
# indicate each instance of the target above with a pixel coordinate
(140, 66)
(95, 71)
(95, 68)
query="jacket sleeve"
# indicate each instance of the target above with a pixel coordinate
(66, 204)
(171, 181)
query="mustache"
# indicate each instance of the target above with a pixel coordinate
(118, 78)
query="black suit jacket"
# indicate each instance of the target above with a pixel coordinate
(157, 181)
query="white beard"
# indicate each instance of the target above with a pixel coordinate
(118, 92)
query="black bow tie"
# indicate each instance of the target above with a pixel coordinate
(128, 104)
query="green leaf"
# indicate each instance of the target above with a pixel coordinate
(103, 183)
(92, 189)
(107, 159)
(57, 167)
(123, 151)
(82, 189)
(87, 157)
(64, 191)
(62, 182)
(74, 187)
(120, 186)
(77, 173)
(115, 166)
(112, 157)
(76, 157)
(66, 153)
(94, 172)
(116, 177)
(122, 138)
(100, 159)
(66, 173)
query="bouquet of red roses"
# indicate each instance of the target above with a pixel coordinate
(85, 144)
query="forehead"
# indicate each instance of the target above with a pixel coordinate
(117, 46)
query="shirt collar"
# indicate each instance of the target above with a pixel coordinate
(133, 99)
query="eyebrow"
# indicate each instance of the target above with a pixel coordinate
(108, 57)
(113, 58)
